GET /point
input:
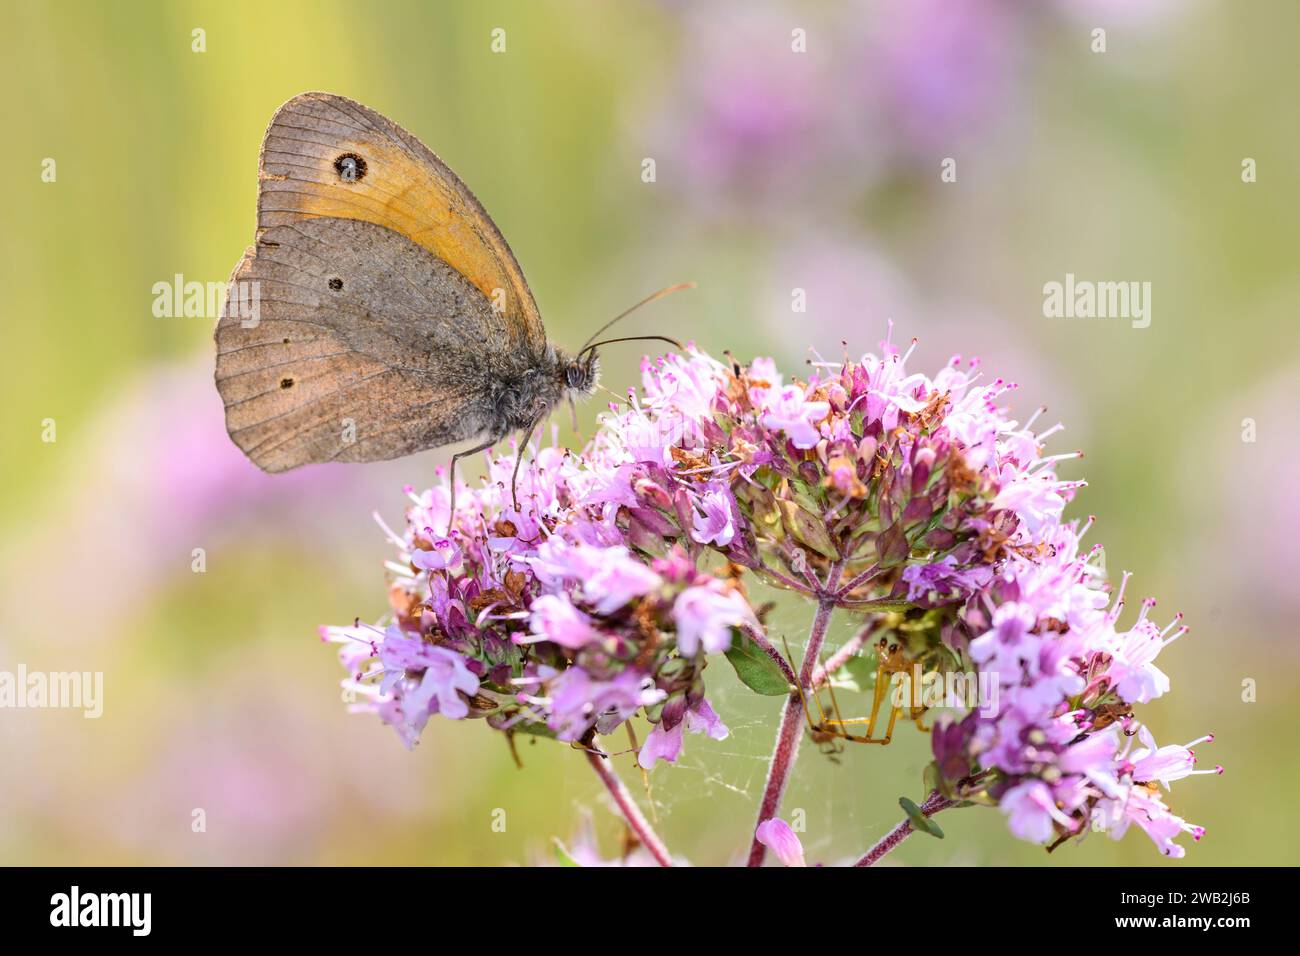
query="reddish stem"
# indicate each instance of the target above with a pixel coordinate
(790, 732)
(858, 581)
(631, 812)
(933, 804)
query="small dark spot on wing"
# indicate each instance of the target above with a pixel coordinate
(350, 167)
(336, 284)
(286, 382)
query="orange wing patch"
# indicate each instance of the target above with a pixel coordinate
(326, 155)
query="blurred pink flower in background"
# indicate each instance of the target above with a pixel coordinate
(156, 476)
(933, 72)
(261, 795)
(749, 120)
(752, 124)
(584, 850)
(266, 774)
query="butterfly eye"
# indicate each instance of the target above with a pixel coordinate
(573, 376)
(350, 167)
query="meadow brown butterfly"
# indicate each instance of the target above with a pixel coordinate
(391, 316)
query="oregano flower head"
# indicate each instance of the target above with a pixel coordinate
(915, 503)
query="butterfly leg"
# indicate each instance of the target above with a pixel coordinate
(519, 457)
(451, 515)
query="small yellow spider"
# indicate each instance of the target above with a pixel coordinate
(827, 733)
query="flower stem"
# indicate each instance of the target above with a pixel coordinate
(933, 804)
(858, 581)
(821, 674)
(631, 812)
(790, 732)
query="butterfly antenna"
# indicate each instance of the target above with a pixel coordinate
(624, 314)
(634, 338)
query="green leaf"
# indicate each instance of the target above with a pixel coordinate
(884, 604)
(755, 669)
(562, 856)
(534, 729)
(920, 822)
(807, 528)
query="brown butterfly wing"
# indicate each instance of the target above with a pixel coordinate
(363, 346)
(392, 179)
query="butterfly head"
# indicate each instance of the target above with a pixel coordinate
(581, 373)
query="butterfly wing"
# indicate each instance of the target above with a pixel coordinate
(380, 305)
(342, 340)
(326, 155)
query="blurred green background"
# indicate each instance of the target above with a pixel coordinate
(775, 171)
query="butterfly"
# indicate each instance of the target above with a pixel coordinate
(380, 311)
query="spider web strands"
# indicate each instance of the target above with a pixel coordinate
(821, 674)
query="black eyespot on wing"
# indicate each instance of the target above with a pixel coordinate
(350, 167)
(286, 383)
(336, 284)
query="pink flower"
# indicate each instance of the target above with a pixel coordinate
(1163, 765)
(1145, 808)
(618, 580)
(423, 679)
(685, 385)
(442, 556)
(776, 835)
(665, 743)
(579, 702)
(1136, 676)
(1031, 810)
(558, 561)
(358, 645)
(705, 618)
(787, 410)
(1008, 645)
(713, 524)
(597, 599)
(1036, 499)
(554, 618)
